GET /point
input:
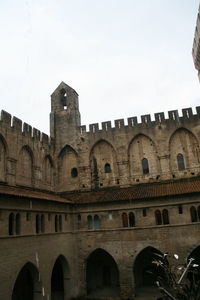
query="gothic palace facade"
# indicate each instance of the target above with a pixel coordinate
(83, 211)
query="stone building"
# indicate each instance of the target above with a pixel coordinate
(82, 212)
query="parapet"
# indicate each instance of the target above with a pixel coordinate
(15, 124)
(146, 121)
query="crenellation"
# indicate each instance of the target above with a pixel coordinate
(198, 110)
(146, 119)
(94, 127)
(27, 129)
(17, 124)
(45, 138)
(83, 129)
(6, 117)
(119, 123)
(132, 121)
(187, 113)
(173, 115)
(36, 134)
(159, 117)
(106, 125)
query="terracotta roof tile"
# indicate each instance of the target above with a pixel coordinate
(29, 193)
(139, 191)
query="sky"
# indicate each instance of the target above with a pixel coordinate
(124, 58)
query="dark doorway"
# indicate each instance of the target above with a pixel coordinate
(102, 275)
(60, 288)
(27, 284)
(146, 272)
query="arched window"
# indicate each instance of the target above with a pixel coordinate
(60, 223)
(11, 224)
(96, 222)
(165, 216)
(158, 217)
(42, 223)
(74, 172)
(107, 168)
(193, 214)
(37, 224)
(180, 162)
(145, 166)
(131, 219)
(125, 220)
(56, 223)
(90, 222)
(198, 211)
(18, 224)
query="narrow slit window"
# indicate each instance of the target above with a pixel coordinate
(180, 162)
(158, 217)
(107, 168)
(165, 216)
(131, 219)
(125, 220)
(74, 172)
(145, 166)
(193, 214)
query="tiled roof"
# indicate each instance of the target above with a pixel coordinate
(30, 193)
(139, 191)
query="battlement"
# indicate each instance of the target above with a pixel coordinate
(146, 121)
(12, 122)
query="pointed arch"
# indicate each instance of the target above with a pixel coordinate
(68, 165)
(25, 166)
(3, 155)
(102, 274)
(184, 152)
(125, 219)
(103, 164)
(143, 158)
(27, 284)
(158, 217)
(48, 168)
(193, 214)
(60, 279)
(145, 272)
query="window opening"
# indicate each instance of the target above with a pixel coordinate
(180, 209)
(145, 166)
(96, 222)
(165, 216)
(11, 224)
(193, 214)
(180, 162)
(125, 220)
(107, 168)
(144, 212)
(158, 217)
(131, 219)
(74, 172)
(90, 222)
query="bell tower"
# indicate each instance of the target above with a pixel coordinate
(65, 115)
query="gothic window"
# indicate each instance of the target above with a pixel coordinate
(18, 224)
(131, 219)
(37, 224)
(165, 216)
(90, 222)
(198, 211)
(11, 224)
(193, 214)
(125, 220)
(145, 166)
(107, 168)
(180, 209)
(74, 172)
(158, 217)
(96, 222)
(42, 223)
(56, 223)
(60, 223)
(180, 162)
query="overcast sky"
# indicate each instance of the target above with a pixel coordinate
(123, 57)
